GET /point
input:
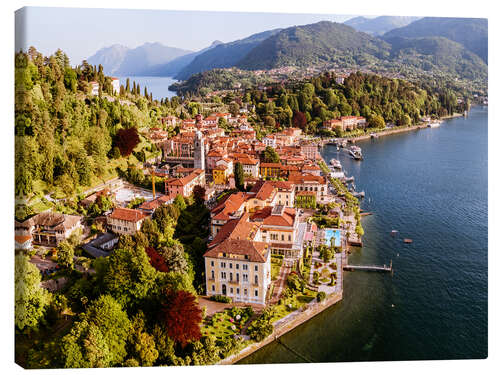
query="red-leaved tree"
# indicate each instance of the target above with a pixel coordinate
(299, 120)
(182, 316)
(156, 260)
(126, 140)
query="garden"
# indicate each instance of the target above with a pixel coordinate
(227, 323)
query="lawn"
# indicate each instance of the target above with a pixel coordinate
(297, 301)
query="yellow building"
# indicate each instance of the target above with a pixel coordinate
(270, 170)
(219, 175)
(238, 263)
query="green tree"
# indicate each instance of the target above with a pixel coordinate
(99, 339)
(270, 155)
(31, 300)
(65, 254)
(128, 276)
(180, 203)
(141, 344)
(239, 176)
(377, 121)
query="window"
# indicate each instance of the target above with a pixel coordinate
(256, 279)
(213, 288)
(282, 237)
(237, 266)
(212, 263)
(230, 265)
(223, 275)
(289, 237)
(238, 277)
(245, 267)
(245, 292)
(237, 290)
(231, 290)
(256, 293)
(256, 268)
(245, 277)
(213, 275)
(231, 276)
(223, 264)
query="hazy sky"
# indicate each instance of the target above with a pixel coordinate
(81, 32)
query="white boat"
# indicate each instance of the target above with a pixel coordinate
(434, 124)
(355, 152)
(335, 164)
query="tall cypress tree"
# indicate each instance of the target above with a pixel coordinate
(127, 86)
(239, 177)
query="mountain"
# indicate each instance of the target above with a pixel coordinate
(322, 42)
(435, 54)
(379, 25)
(173, 67)
(120, 60)
(472, 33)
(109, 57)
(224, 55)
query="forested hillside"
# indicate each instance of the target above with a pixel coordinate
(472, 33)
(68, 139)
(380, 100)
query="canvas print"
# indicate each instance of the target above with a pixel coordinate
(214, 188)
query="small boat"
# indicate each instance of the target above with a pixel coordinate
(407, 240)
(434, 124)
(349, 179)
(394, 232)
(361, 194)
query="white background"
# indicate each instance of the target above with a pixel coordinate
(477, 8)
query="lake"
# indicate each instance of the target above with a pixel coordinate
(156, 85)
(432, 186)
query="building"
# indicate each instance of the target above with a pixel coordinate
(238, 263)
(312, 183)
(184, 186)
(94, 88)
(269, 170)
(125, 220)
(48, 228)
(199, 151)
(115, 84)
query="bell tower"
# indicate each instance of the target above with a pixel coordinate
(199, 151)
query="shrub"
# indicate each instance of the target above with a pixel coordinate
(223, 299)
(321, 296)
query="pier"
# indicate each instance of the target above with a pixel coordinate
(383, 268)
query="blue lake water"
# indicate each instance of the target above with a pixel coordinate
(432, 186)
(156, 85)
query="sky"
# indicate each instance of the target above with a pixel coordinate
(80, 32)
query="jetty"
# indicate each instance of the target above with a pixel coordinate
(383, 268)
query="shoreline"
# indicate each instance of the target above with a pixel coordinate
(285, 325)
(399, 130)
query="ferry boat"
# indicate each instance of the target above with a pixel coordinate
(355, 152)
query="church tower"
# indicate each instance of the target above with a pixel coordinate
(199, 151)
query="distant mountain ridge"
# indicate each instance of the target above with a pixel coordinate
(379, 25)
(224, 55)
(435, 45)
(312, 44)
(472, 33)
(120, 60)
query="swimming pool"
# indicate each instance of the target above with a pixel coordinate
(335, 233)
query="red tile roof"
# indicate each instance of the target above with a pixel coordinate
(254, 251)
(127, 214)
